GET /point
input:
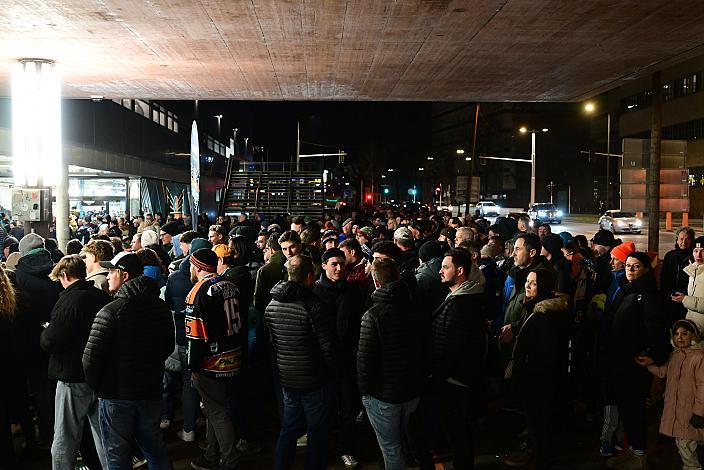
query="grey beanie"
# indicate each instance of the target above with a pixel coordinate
(29, 242)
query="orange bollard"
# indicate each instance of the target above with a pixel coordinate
(639, 215)
(668, 221)
(685, 219)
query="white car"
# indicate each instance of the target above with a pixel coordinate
(617, 221)
(488, 208)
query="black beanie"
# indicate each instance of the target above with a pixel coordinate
(431, 249)
(552, 243)
(332, 253)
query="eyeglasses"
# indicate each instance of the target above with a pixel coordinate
(633, 267)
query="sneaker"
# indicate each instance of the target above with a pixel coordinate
(349, 461)
(186, 436)
(302, 441)
(202, 464)
(247, 447)
(606, 449)
(81, 466)
(519, 458)
(165, 424)
(138, 462)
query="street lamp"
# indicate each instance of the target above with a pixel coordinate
(524, 130)
(460, 151)
(590, 108)
(429, 158)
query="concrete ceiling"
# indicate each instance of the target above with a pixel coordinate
(434, 50)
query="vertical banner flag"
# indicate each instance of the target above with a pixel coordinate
(195, 176)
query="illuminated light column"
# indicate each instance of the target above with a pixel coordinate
(36, 134)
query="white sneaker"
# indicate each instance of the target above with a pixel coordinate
(302, 441)
(165, 424)
(186, 436)
(137, 462)
(349, 461)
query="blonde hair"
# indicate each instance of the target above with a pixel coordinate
(72, 265)
(8, 299)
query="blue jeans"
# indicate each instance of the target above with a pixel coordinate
(74, 403)
(389, 421)
(124, 421)
(310, 410)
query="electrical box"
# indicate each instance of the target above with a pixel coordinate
(31, 205)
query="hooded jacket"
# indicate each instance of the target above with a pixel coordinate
(67, 334)
(684, 392)
(392, 346)
(541, 351)
(302, 336)
(40, 294)
(638, 326)
(518, 275)
(459, 335)
(694, 301)
(129, 341)
(428, 284)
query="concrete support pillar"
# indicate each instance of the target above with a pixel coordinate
(668, 220)
(653, 171)
(62, 207)
(685, 219)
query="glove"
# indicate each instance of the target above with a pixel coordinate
(697, 421)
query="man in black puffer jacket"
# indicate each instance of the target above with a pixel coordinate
(65, 339)
(390, 366)
(40, 294)
(302, 337)
(459, 348)
(123, 362)
(346, 300)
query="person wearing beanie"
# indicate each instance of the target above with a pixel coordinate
(123, 362)
(9, 245)
(40, 294)
(365, 236)
(150, 239)
(178, 285)
(672, 276)
(428, 277)
(216, 331)
(693, 300)
(602, 243)
(552, 250)
(638, 327)
(447, 237)
(683, 412)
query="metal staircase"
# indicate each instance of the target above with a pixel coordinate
(272, 192)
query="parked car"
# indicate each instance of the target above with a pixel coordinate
(542, 212)
(488, 208)
(618, 221)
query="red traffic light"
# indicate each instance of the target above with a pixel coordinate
(369, 197)
(437, 190)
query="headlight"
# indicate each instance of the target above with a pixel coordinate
(639, 223)
(559, 213)
(542, 213)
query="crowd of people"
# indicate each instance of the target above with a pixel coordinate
(409, 320)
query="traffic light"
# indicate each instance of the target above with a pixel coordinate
(437, 190)
(369, 197)
(386, 190)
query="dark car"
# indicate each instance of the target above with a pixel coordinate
(542, 212)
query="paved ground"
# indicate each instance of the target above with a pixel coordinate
(575, 446)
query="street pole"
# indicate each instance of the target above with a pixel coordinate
(608, 160)
(653, 171)
(470, 173)
(532, 168)
(298, 146)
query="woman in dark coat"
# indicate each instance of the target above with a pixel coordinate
(540, 360)
(639, 327)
